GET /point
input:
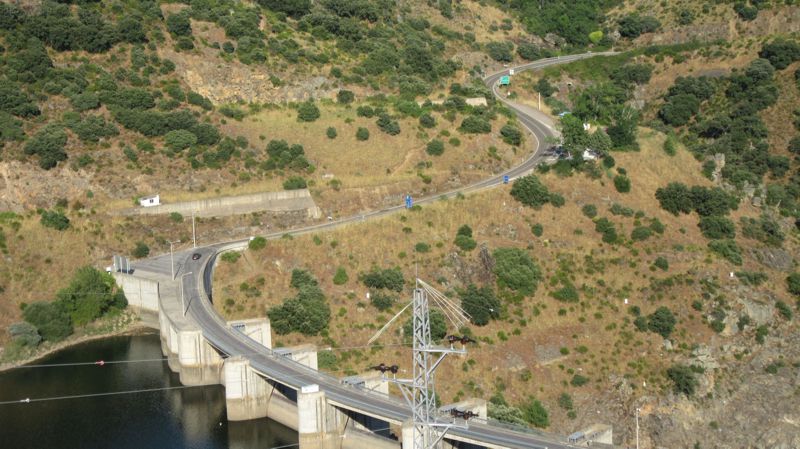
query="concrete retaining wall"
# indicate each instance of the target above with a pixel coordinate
(283, 201)
(141, 293)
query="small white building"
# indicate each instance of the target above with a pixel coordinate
(149, 201)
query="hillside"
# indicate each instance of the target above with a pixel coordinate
(661, 276)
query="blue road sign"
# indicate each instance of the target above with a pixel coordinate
(505, 80)
(505, 179)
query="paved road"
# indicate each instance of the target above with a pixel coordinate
(292, 374)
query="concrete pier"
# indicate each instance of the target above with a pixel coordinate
(317, 421)
(257, 329)
(246, 393)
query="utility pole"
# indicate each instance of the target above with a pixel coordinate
(540, 101)
(194, 233)
(637, 427)
(171, 258)
(183, 301)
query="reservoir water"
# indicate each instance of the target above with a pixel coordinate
(177, 418)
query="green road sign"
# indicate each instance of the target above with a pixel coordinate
(505, 80)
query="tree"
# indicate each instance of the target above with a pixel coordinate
(481, 304)
(634, 25)
(15, 101)
(54, 219)
(511, 134)
(662, 322)
(388, 125)
(89, 295)
(48, 144)
(516, 270)
(307, 112)
(530, 52)
(331, 132)
(544, 87)
(179, 25)
(308, 312)
(50, 318)
(25, 334)
(529, 191)
(362, 134)
(500, 51)
(382, 301)
(345, 96)
(293, 8)
(675, 198)
(780, 53)
(435, 147)
(683, 379)
(679, 110)
(632, 74)
(427, 121)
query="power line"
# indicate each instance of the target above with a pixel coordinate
(93, 395)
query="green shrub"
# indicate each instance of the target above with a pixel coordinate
(557, 200)
(481, 304)
(727, 249)
(793, 283)
(388, 125)
(389, 279)
(331, 132)
(783, 310)
(717, 227)
(578, 380)
(179, 139)
(345, 96)
(25, 334)
(500, 51)
(537, 229)
(422, 247)
(535, 414)
(178, 24)
(382, 301)
(567, 293)
(641, 233)
(766, 230)
(54, 219)
(141, 250)
(307, 112)
(362, 134)
(516, 270)
(435, 147)
(475, 125)
(340, 278)
(327, 360)
(257, 243)
(661, 262)
(754, 278)
(295, 183)
(48, 144)
(427, 121)
(780, 53)
(607, 229)
(683, 379)
(590, 210)
(230, 256)
(176, 217)
(466, 243)
(511, 135)
(622, 183)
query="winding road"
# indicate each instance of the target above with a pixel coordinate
(294, 375)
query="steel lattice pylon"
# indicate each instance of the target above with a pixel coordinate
(419, 391)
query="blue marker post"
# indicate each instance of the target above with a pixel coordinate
(505, 179)
(409, 202)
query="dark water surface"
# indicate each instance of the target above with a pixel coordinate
(181, 418)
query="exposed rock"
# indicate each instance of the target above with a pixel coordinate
(774, 258)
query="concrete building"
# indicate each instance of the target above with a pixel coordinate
(150, 201)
